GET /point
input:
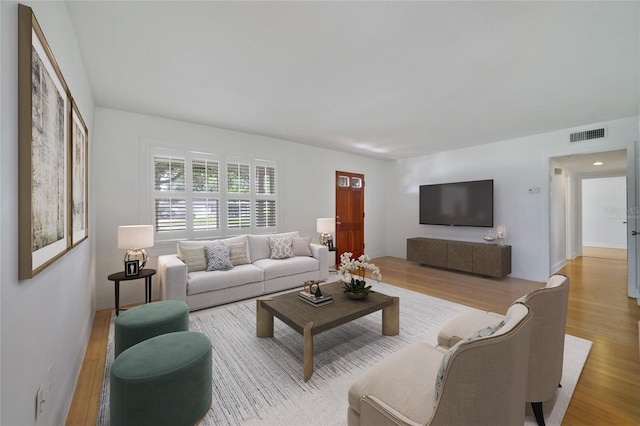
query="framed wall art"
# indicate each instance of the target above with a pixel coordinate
(52, 155)
(79, 177)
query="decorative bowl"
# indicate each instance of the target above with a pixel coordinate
(489, 237)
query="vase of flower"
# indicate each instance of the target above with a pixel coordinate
(353, 272)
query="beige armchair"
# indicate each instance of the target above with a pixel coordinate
(482, 380)
(549, 308)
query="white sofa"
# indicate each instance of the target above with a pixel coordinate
(256, 275)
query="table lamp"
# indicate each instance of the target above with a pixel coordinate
(134, 239)
(325, 226)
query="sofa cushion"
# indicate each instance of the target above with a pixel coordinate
(259, 244)
(239, 253)
(281, 247)
(194, 258)
(218, 257)
(204, 281)
(274, 268)
(301, 246)
(416, 364)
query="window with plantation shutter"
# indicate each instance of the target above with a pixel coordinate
(205, 184)
(238, 178)
(265, 180)
(205, 176)
(171, 214)
(170, 194)
(238, 214)
(265, 195)
(198, 195)
(206, 214)
(265, 213)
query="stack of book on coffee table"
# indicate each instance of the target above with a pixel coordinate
(315, 300)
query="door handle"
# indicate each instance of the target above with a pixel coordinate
(634, 233)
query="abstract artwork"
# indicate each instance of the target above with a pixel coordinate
(47, 211)
(79, 162)
(48, 155)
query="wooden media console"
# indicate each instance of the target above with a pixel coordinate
(492, 260)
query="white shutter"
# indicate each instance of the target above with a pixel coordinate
(238, 214)
(265, 179)
(205, 176)
(238, 178)
(170, 202)
(170, 214)
(265, 213)
(206, 214)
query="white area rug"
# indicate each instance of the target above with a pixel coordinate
(259, 381)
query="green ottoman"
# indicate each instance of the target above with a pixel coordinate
(164, 380)
(150, 320)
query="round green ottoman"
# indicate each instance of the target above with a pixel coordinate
(149, 320)
(164, 380)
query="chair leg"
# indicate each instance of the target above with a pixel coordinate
(537, 411)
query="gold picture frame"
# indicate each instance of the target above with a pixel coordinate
(53, 194)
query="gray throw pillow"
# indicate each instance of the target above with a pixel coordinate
(281, 247)
(485, 332)
(218, 258)
(301, 246)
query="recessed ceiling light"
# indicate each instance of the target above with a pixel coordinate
(598, 163)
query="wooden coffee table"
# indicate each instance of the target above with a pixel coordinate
(310, 320)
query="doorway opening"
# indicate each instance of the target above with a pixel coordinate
(604, 220)
(590, 203)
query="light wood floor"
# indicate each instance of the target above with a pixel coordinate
(604, 252)
(608, 391)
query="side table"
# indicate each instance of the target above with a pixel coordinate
(333, 253)
(147, 274)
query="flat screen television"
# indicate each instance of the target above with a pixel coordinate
(457, 204)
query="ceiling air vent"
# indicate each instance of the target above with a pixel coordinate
(588, 134)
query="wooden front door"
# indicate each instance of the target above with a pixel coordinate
(349, 214)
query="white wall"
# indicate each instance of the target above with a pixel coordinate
(306, 185)
(515, 165)
(45, 321)
(604, 206)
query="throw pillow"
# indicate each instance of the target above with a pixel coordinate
(239, 254)
(301, 246)
(485, 332)
(194, 258)
(281, 247)
(218, 258)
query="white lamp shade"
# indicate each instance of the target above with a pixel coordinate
(135, 236)
(326, 225)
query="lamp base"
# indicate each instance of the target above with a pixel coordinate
(137, 254)
(325, 239)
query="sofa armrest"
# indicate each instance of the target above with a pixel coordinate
(172, 273)
(321, 253)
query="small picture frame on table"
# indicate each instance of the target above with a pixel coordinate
(131, 268)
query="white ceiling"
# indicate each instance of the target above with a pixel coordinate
(385, 79)
(612, 162)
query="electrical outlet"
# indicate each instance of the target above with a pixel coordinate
(534, 190)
